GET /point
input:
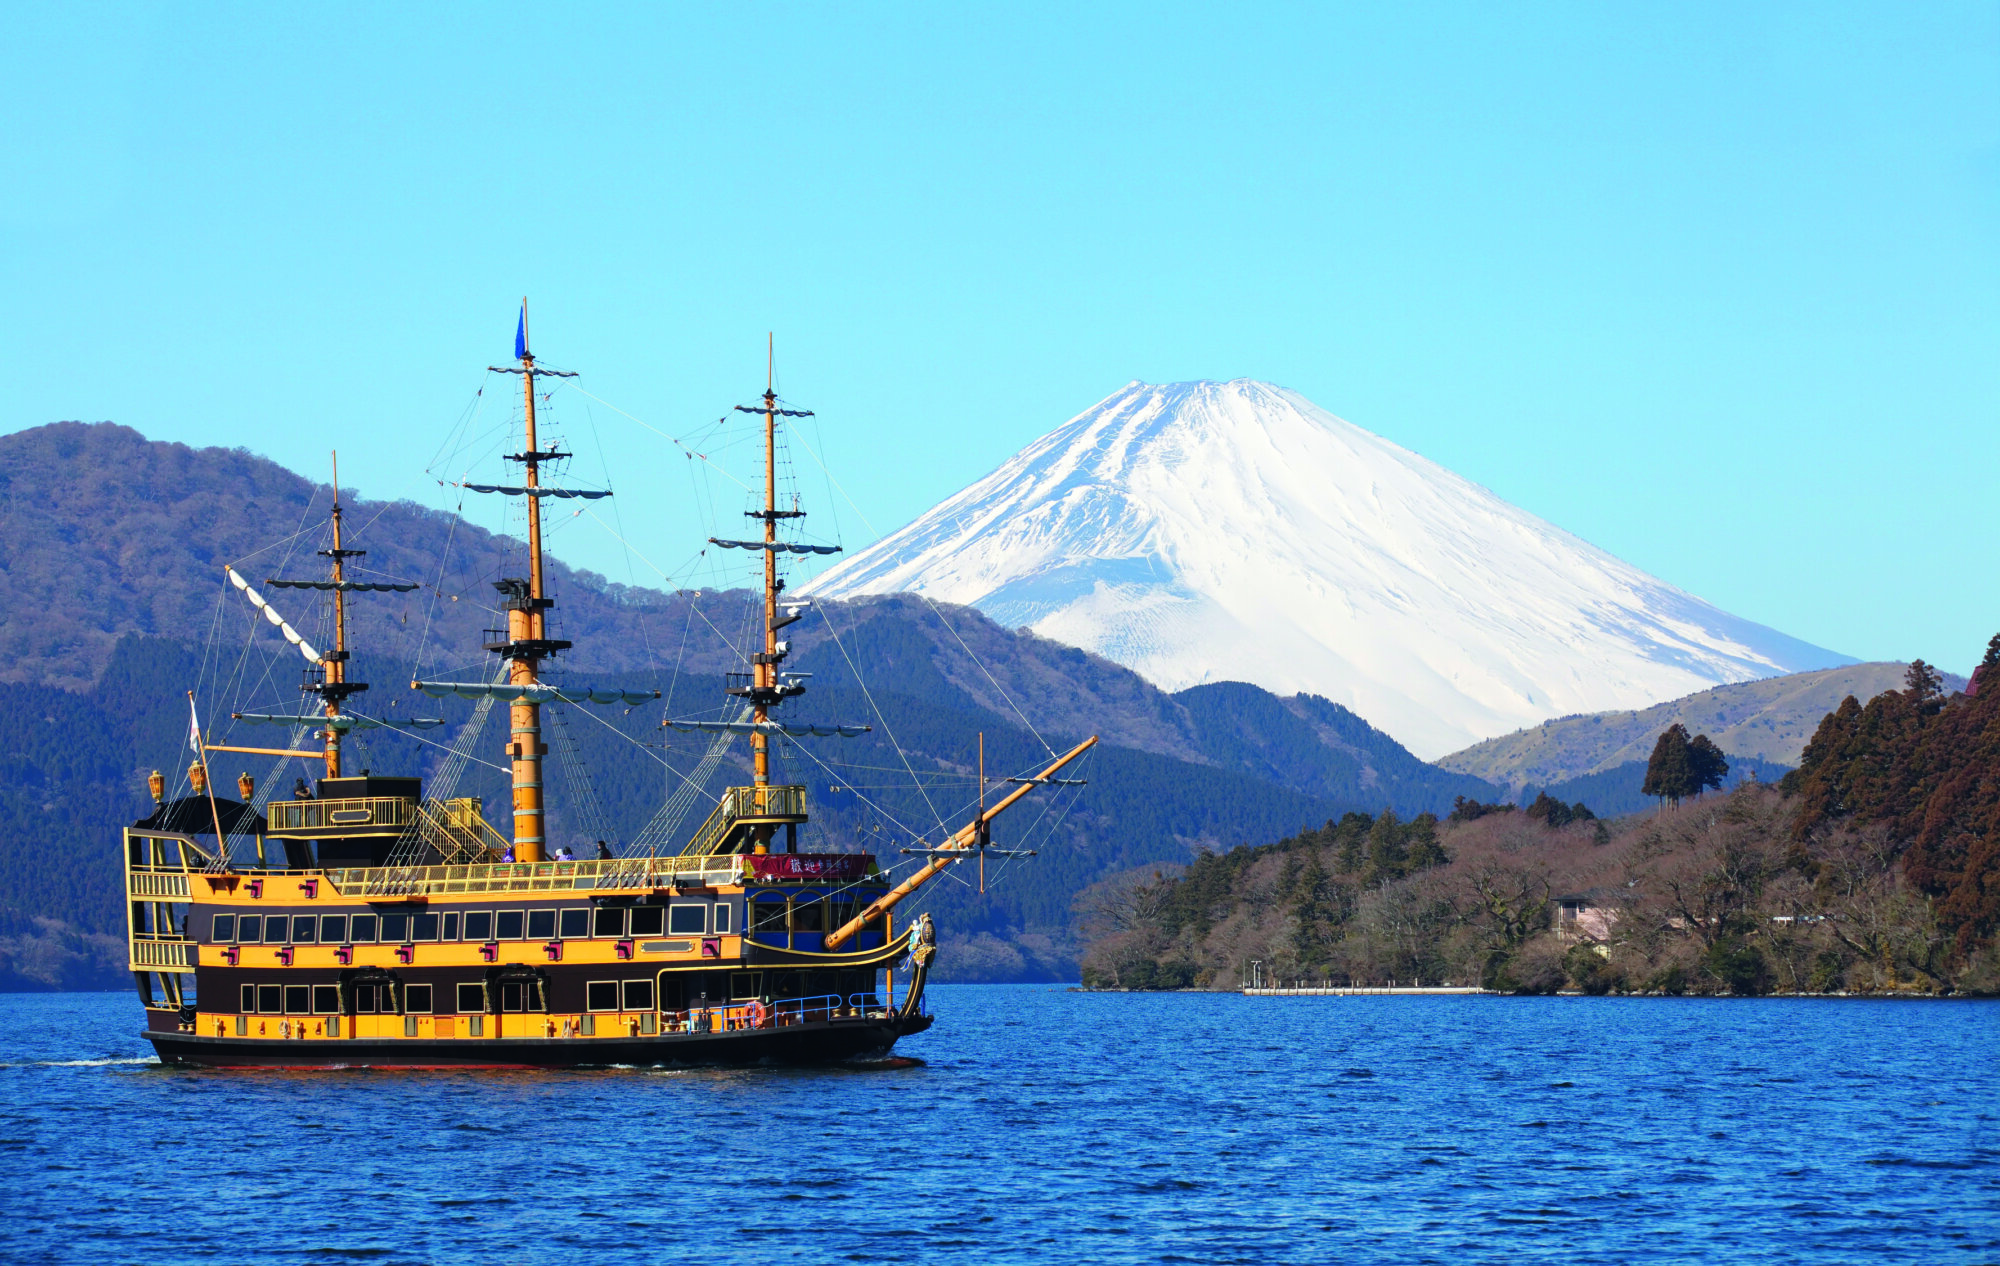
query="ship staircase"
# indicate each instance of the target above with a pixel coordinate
(742, 814)
(453, 831)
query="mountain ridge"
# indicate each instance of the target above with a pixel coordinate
(1769, 720)
(1211, 531)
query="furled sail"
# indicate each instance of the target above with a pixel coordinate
(343, 722)
(345, 586)
(585, 493)
(779, 547)
(539, 693)
(793, 729)
(257, 601)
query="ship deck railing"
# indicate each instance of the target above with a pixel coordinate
(482, 877)
(752, 1014)
(170, 880)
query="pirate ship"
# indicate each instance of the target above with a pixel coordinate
(365, 922)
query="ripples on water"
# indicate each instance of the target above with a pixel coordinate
(1057, 1126)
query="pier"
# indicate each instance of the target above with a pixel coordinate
(1345, 991)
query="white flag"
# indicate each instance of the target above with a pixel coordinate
(194, 728)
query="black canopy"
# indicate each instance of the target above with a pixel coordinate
(190, 816)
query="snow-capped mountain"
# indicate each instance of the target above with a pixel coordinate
(1207, 531)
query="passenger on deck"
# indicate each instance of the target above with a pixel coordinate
(564, 855)
(300, 791)
(603, 853)
(508, 856)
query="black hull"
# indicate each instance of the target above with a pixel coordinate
(795, 1044)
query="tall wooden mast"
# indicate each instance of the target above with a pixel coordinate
(336, 663)
(527, 638)
(330, 681)
(767, 664)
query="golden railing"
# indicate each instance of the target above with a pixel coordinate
(739, 803)
(359, 811)
(161, 953)
(615, 873)
(157, 885)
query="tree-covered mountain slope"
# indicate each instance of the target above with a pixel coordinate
(1769, 720)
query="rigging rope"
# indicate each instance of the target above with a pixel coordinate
(667, 822)
(582, 787)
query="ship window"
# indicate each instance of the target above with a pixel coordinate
(638, 995)
(508, 925)
(249, 1002)
(270, 998)
(807, 916)
(298, 999)
(609, 922)
(575, 924)
(513, 996)
(364, 999)
(688, 920)
(648, 920)
(303, 927)
(275, 927)
(471, 998)
(395, 927)
(416, 999)
(603, 995)
(423, 927)
(479, 926)
(541, 925)
(746, 984)
(767, 913)
(224, 928)
(333, 928)
(364, 929)
(450, 932)
(721, 918)
(250, 929)
(326, 999)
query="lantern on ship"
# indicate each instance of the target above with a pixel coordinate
(156, 782)
(246, 786)
(197, 777)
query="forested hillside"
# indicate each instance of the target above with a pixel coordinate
(1874, 867)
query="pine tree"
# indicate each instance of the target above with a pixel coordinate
(1546, 808)
(1707, 765)
(1986, 666)
(1670, 770)
(1925, 685)
(1387, 858)
(1425, 851)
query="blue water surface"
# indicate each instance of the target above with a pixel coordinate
(1050, 1125)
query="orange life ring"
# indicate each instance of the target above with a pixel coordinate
(756, 1015)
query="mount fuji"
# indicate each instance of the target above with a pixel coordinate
(1215, 531)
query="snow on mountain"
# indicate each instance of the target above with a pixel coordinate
(1206, 531)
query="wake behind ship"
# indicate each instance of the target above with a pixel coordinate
(366, 923)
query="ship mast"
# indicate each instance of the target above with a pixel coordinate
(766, 664)
(527, 635)
(333, 683)
(336, 664)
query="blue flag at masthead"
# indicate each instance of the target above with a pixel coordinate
(521, 334)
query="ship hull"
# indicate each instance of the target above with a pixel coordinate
(801, 1044)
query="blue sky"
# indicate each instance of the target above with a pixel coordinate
(1713, 286)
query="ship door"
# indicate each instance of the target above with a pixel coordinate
(673, 991)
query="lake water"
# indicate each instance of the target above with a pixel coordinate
(1046, 1125)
